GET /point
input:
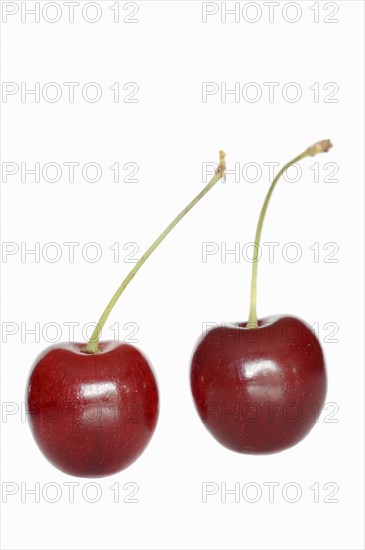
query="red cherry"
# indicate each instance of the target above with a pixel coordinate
(259, 390)
(94, 407)
(259, 386)
(92, 415)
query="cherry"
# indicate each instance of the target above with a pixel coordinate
(92, 415)
(94, 407)
(259, 386)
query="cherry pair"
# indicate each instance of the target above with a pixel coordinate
(93, 408)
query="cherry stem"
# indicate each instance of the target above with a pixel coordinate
(93, 345)
(319, 147)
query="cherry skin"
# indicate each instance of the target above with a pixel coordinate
(259, 390)
(92, 415)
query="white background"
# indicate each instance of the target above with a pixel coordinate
(170, 133)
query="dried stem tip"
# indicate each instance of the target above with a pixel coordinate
(320, 147)
(222, 165)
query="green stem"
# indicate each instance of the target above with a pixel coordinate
(93, 345)
(321, 146)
